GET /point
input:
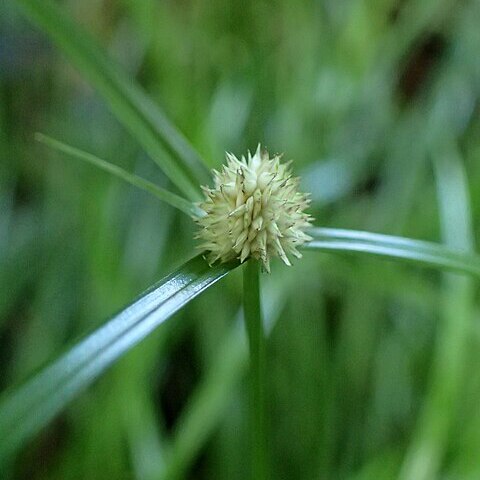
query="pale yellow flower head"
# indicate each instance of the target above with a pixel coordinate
(254, 210)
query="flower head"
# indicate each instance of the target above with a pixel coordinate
(254, 210)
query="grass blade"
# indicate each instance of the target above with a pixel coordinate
(145, 121)
(432, 435)
(27, 409)
(164, 195)
(396, 248)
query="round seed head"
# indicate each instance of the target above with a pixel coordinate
(254, 210)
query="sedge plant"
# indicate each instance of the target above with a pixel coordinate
(249, 214)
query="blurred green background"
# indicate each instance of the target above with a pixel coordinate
(373, 365)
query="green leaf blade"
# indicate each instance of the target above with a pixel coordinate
(162, 194)
(444, 395)
(417, 251)
(145, 120)
(26, 410)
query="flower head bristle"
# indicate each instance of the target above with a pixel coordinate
(254, 210)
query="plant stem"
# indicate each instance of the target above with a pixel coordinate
(256, 340)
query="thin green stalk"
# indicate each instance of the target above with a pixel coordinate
(256, 341)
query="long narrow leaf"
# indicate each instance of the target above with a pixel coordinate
(26, 410)
(147, 123)
(444, 395)
(399, 248)
(162, 194)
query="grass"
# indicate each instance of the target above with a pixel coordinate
(146, 121)
(372, 365)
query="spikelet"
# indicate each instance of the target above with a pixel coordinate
(254, 210)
